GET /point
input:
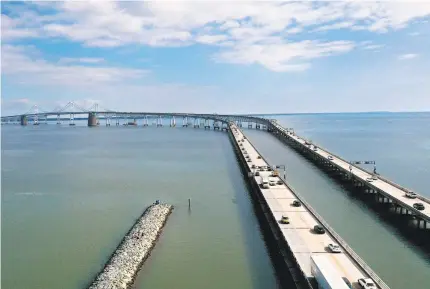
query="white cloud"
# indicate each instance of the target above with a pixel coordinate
(81, 60)
(408, 56)
(373, 46)
(233, 26)
(284, 56)
(24, 64)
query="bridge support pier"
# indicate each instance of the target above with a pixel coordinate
(92, 119)
(24, 120)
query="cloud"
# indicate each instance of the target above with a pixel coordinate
(234, 27)
(15, 104)
(284, 57)
(373, 46)
(26, 66)
(260, 30)
(408, 56)
(81, 60)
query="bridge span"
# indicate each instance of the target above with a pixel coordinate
(396, 197)
(298, 238)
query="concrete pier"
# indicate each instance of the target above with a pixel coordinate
(92, 119)
(24, 120)
(120, 271)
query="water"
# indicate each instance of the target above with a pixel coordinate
(400, 145)
(70, 194)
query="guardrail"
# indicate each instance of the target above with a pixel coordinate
(360, 262)
(364, 170)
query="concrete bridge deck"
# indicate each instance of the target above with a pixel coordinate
(394, 192)
(299, 235)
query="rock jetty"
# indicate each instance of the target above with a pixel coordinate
(120, 271)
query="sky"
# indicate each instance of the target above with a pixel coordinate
(216, 57)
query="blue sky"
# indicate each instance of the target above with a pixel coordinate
(225, 57)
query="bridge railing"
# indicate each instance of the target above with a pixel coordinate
(355, 257)
(367, 171)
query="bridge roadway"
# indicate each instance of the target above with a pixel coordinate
(385, 187)
(299, 235)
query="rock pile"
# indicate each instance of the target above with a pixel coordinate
(121, 269)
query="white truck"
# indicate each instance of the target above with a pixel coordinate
(265, 182)
(325, 273)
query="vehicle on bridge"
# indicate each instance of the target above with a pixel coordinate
(318, 229)
(264, 183)
(366, 283)
(285, 219)
(419, 206)
(329, 157)
(411, 195)
(297, 203)
(326, 274)
(334, 248)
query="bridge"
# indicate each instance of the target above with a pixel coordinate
(296, 243)
(396, 197)
(93, 115)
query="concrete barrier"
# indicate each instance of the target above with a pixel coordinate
(121, 269)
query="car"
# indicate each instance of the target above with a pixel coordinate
(419, 206)
(248, 160)
(257, 173)
(253, 166)
(315, 149)
(334, 248)
(330, 158)
(319, 229)
(375, 177)
(279, 182)
(369, 180)
(259, 157)
(297, 203)
(272, 183)
(366, 283)
(411, 195)
(285, 219)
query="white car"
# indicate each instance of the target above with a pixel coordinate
(272, 183)
(334, 248)
(330, 158)
(369, 180)
(411, 195)
(366, 283)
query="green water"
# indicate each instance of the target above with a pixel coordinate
(70, 194)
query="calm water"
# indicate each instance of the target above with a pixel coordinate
(400, 145)
(70, 194)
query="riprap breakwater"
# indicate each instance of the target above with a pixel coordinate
(120, 271)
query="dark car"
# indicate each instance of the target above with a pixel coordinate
(319, 229)
(296, 203)
(257, 173)
(419, 206)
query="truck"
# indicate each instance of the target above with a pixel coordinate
(265, 182)
(325, 273)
